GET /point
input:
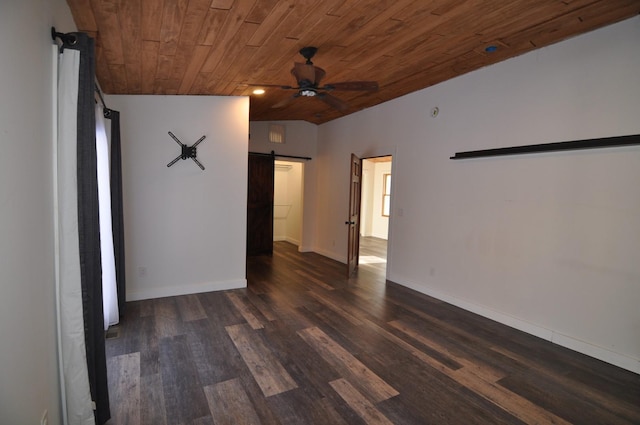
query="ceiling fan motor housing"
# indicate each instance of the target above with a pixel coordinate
(308, 76)
(308, 52)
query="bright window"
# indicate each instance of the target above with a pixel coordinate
(386, 194)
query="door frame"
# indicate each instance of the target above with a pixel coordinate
(353, 219)
(302, 165)
(391, 152)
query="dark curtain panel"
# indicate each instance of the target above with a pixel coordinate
(117, 217)
(89, 230)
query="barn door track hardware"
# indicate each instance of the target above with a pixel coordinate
(187, 151)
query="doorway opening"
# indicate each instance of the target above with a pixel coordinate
(274, 203)
(287, 202)
(375, 210)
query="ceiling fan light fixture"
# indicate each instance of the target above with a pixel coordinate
(308, 76)
(258, 91)
(308, 92)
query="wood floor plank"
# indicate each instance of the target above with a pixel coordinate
(324, 409)
(146, 308)
(366, 351)
(335, 307)
(599, 396)
(560, 400)
(482, 381)
(183, 395)
(436, 362)
(359, 403)
(212, 351)
(167, 318)
(518, 406)
(244, 310)
(264, 366)
(207, 420)
(315, 280)
(190, 308)
(146, 342)
(286, 311)
(219, 309)
(347, 365)
(262, 306)
(152, 410)
(303, 363)
(299, 407)
(124, 388)
(484, 372)
(230, 405)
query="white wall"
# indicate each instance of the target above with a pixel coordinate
(301, 138)
(546, 243)
(366, 197)
(296, 198)
(379, 223)
(287, 200)
(372, 222)
(281, 205)
(185, 229)
(28, 361)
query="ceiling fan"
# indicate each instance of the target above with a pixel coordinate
(308, 76)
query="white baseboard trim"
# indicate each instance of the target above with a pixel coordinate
(292, 241)
(597, 352)
(286, 239)
(617, 359)
(196, 288)
(330, 254)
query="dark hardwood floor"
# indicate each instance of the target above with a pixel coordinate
(373, 253)
(304, 345)
(373, 247)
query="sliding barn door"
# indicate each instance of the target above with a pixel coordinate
(260, 205)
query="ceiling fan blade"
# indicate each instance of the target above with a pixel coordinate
(333, 101)
(319, 75)
(284, 102)
(353, 85)
(305, 74)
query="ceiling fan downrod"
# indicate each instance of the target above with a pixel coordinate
(308, 52)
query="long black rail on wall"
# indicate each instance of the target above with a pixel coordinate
(275, 155)
(605, 142)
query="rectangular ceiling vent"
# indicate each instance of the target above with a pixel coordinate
(276, 133)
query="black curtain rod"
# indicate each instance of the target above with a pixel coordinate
(69, 38)
(273, 154)
(106, 111)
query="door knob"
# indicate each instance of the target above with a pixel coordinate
(349, 222)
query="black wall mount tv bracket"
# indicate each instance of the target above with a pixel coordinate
(187, 151)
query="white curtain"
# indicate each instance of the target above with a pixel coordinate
(109, 287)
(77, 404)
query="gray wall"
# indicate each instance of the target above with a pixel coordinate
(546, 243)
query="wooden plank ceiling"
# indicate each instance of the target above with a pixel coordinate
(223, 47)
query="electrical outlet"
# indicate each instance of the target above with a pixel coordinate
(142, 271)
(44, 420)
